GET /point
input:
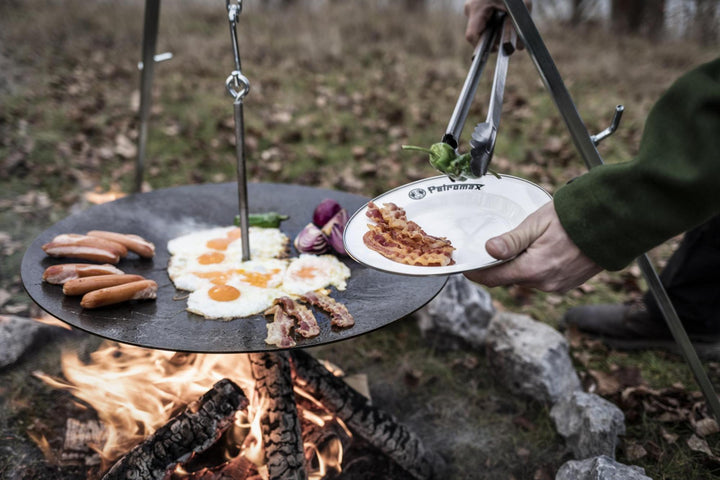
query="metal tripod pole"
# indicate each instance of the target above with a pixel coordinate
(150, 33)
(585, 146)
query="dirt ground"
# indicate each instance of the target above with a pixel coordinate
(335, 92)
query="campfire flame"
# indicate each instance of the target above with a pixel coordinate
(136, 390)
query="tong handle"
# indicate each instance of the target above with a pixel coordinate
(480, 57)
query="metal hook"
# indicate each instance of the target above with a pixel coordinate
(596, 139)
(237, 85)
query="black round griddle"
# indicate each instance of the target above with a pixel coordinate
(374, 298)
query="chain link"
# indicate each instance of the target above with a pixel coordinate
(237, 84)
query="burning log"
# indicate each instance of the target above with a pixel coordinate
(194, 430)
(375, 426)
(280, 423)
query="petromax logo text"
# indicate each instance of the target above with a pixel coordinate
(455, 186)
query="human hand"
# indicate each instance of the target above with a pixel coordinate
(479, 13)
(545, 256)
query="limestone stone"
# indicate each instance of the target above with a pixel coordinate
(458, 316)
(599, 468)
(530, 358)
(589, 423)
(16, 336)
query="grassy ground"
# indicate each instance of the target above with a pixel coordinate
(335, 92)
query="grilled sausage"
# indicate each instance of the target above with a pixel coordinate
(81, 286)
(134, 243)
(59, 274)
(141, 290)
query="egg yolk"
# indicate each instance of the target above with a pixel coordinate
(223, 293)
(222, 243)
(216, 278)
(218, 243)
(258, 279)
(210, 258)
(306, 272)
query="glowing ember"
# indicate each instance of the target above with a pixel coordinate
(135, 391)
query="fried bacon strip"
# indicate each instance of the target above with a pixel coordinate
(306, 326)
(339, 315)
(286, 311)
(59, 274)
(278, 332)
(401, 240)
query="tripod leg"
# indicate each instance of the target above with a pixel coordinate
(150, 33)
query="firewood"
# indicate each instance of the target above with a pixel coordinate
(194, 430)
(236, 468)
(378, 428)
(280, 423)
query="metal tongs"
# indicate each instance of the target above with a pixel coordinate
(483, 138)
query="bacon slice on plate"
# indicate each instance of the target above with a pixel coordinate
(401, 240)
(339, 315)
(278, 332)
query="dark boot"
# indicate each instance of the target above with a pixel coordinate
(627, 326)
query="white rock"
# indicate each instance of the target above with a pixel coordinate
(530, 358)
(16, 335)
(599, 468)
(589, 423)
(459, 315)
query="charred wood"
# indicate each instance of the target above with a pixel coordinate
(280, 422)
(238, 467)
(375, 426)
(194, 430)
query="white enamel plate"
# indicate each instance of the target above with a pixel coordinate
(467, 213)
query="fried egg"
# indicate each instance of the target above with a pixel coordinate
(224, 243)
(209, 264)
(310, 272)
(230, 300)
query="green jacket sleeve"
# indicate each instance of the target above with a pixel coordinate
(616, 212)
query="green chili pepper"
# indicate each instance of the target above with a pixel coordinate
(444, 158)
(263, 220)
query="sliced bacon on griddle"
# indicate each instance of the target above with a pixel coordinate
(278, 332)
(306, 326)
(339, 315)
(399, 239)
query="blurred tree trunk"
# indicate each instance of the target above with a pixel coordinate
(415, 5)
(706, 22)
(638, 16)
(577, 9)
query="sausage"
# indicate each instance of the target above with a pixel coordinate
(140, 290)
(88, 241)
(134, 243)
(81, 286)
(59, 274)
(94, 254)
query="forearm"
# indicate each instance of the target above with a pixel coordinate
(616, 212)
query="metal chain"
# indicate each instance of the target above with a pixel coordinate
(237, 84)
